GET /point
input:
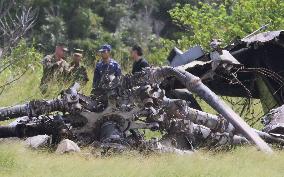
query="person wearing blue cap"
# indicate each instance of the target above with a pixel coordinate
(107, 65)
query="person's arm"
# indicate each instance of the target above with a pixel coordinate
(144, 64)
(118, 70)
(65, 66)
(48, 64)
(85, 75)
(96, 77)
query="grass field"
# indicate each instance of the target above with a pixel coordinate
(16, 160)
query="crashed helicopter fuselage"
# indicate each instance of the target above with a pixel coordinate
(140, 101)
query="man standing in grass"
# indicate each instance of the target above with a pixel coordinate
(106, 75)
(139, 62)
(106, 67)
(54, 67)
(78, 72)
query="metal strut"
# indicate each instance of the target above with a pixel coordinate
(195, 85)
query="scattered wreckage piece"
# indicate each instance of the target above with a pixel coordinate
(39, 141)
(67, 146)
(178, 58)
(133, 103)
(195, 85)
(44, 141)
(274, 121)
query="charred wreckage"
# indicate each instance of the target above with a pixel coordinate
(159, 99)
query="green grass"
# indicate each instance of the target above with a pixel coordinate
(16, 160)
(27, 88)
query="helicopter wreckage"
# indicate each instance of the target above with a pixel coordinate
(115, 115)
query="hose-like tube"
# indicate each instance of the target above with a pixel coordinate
(32, 109)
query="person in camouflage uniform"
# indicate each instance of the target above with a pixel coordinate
(54, 67)
(78, 72)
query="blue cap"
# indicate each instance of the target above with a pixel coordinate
(105, 47)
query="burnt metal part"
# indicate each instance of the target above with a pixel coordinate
(260, 57)
(32, 109)
(274, 121)
(184, 94)
(195, 85)
(68, 103)
(42, 125)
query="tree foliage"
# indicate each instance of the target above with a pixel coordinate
(22, 59)
(227, 19)
(156, 25)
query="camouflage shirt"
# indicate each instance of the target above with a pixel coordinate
(50, 63)
(78, 74)
(52, 70)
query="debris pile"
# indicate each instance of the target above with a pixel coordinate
(145, 101)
